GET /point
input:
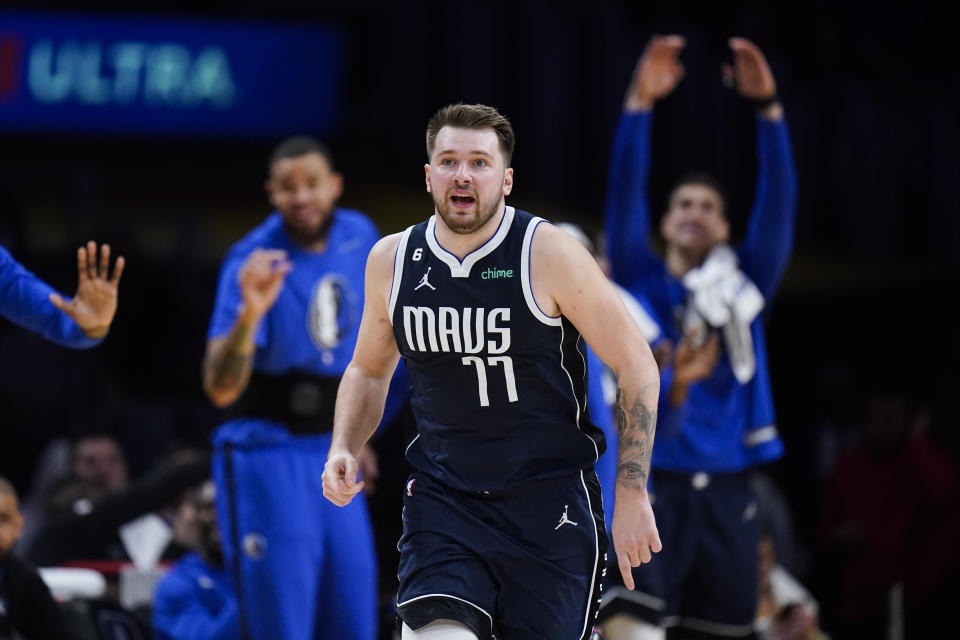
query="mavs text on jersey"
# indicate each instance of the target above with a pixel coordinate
(498, 386)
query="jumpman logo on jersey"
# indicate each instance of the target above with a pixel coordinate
(424, 282)
(564, 519)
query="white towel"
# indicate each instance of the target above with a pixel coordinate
(645, 322)
(723, 297)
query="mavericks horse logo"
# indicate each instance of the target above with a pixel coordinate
(333, 312)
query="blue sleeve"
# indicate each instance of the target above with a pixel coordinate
(229, 300)
(627, 212)
(601, 414)
(179, 615)
(769, 241)
(25, 301)
(669, 418)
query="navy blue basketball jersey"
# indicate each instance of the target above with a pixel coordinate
(498, 386)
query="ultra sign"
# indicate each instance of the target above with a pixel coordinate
(138, 75)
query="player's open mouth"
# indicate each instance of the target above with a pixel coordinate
(462, 202)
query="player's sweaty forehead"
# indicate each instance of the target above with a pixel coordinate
(460, 141)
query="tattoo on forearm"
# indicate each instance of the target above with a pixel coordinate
(636, 425)
(231, 367)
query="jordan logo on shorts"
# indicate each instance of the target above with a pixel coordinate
(424, 282)
(564, 519)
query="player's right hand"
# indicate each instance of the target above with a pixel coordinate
(340, 478)
(695, 359)
(634, 532)
(657, 73)
(261, 279)
(750, 73)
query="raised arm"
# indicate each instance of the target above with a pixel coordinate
(627, 215)
(566, 280)
(766, 249)
(363, 388)
(228, 362)
(78, 322)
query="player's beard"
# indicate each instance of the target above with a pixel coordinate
(459, 225)
(310, 237)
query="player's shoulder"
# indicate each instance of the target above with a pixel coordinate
(267, 234)
(182, 574)
(385, 249)
(356, 222)
(7, 261)
(551, 242)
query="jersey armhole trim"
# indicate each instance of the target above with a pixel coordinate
(525, 283)
(398, 259)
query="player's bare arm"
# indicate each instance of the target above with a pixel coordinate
(95, 302)
(567, 281)
(363, 388)
(228, 362)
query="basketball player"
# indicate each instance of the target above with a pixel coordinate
(283, 329)
(503, 528)
(80, 322)
(716, 417)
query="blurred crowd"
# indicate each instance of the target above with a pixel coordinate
(106, 457)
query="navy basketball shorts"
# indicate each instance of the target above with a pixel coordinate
(705, 579)
(517, 565)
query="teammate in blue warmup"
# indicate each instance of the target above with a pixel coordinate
(716, 410)
(80, 322)
(502, 526)
(284, 327)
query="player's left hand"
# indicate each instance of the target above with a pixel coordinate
(635, 535)
(749, 74)
(340, 483)
(95, 303)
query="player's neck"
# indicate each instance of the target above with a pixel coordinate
(680, 261)
(461, 244)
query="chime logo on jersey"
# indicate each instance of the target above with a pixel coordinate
(468, 330)
(331, 314)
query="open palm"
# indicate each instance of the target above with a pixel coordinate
(657, 72)
(749, 73)
(95, 302)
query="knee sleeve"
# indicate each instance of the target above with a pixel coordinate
(439, 630)
(624, 627)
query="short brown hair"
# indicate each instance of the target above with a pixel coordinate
(472, 116)
(297, 146)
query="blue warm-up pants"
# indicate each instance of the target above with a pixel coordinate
(303, 568)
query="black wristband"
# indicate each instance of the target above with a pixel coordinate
(762, 103)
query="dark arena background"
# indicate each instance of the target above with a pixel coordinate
(165, 159)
